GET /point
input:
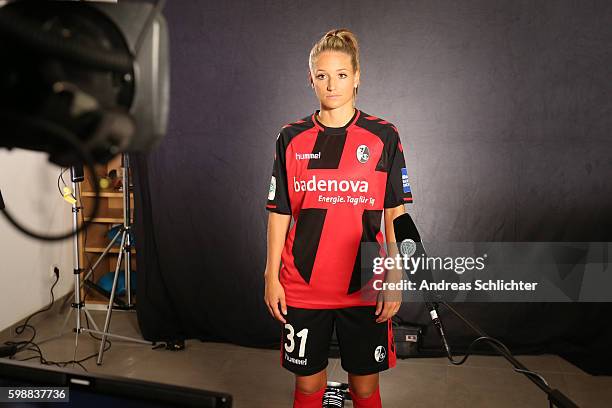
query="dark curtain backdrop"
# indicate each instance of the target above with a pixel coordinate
(504, 109)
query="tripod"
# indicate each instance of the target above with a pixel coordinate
(76, 175)
(125, 248)
(125, 255)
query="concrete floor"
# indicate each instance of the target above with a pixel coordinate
(255, 378)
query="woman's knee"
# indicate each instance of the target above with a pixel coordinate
(309, 384)
(363, 385)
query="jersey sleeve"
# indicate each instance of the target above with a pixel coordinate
(398, 189)
(278, 193)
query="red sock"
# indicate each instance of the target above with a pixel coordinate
(373, 401)
(315, 400)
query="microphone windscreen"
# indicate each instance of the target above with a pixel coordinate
(410, 245)
(405, 229)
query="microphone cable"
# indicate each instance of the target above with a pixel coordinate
(501, 348)
(408, 237)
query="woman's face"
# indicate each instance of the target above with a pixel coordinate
(333, 79)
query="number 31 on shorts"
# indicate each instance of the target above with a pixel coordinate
(302, 334)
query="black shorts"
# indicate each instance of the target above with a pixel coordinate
(366, 347)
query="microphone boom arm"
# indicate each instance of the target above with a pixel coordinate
(405, 230)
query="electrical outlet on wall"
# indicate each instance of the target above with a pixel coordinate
(52, 271)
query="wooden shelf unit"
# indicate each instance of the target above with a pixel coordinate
(94, 240)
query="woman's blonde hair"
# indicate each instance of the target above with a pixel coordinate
(342, 40)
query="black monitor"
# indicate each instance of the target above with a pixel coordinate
(93, 390)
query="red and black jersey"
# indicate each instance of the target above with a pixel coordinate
(335, 182)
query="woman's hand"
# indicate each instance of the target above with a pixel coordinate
(278, 225)
(389, 301)
(274, 295)
(386, 306)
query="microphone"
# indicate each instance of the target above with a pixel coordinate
(409, 244)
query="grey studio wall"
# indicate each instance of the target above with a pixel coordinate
(504, 109)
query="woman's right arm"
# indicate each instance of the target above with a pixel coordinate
(278, 225)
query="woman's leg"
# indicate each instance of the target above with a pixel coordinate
(365, 347)
(309, 384)
(364, 390)
(309, 390)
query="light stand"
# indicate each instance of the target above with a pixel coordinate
(127, 224)
(76, 175)
(124, 255)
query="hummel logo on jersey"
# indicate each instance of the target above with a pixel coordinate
(363, 153)
(304, 156)
(329, 185)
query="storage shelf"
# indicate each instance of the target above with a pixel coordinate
(105, 193)
(110, 215)
(94, 241)
(106, 220)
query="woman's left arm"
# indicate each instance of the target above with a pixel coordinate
(389, 302)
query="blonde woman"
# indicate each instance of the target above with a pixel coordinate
(336, 172)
